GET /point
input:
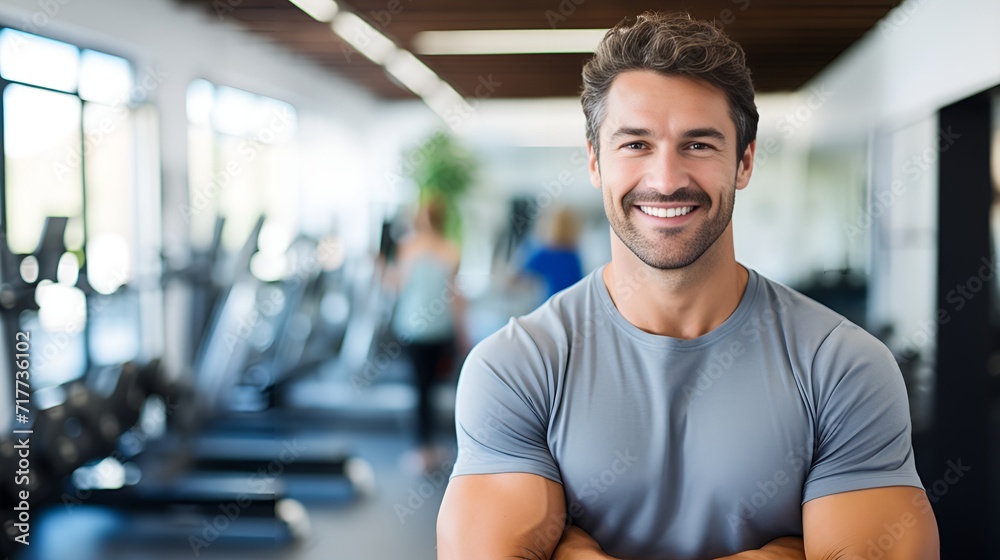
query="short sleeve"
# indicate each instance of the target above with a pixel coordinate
(501, 409)
(863, 435)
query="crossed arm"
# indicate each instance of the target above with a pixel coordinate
(522, 516)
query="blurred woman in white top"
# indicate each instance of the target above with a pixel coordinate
(428, 318)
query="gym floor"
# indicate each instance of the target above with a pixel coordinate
(395, 521)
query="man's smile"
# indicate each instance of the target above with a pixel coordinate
(668, 212)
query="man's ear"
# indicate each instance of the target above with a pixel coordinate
(593, 166)
(745, 167)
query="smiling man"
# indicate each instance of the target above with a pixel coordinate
(675, 404)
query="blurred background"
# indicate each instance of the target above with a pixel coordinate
(213, 214)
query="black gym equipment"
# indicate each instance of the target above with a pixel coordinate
(82, 435)
(255, 344)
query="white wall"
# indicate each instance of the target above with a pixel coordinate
(885, 91)
(923, 55)
(770, 207)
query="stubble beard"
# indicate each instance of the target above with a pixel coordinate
(670, 248)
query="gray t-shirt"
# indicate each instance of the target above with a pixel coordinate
(686, 448)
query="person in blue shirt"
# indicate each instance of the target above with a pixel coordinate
(557, 263)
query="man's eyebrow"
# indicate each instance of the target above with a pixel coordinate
(630, 131)
(704, 132)
(707, 132)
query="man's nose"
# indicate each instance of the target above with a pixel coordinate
(667, 172)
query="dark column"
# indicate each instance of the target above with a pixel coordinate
(959, 484)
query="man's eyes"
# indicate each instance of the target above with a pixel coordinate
(699, 146)
(695, 146)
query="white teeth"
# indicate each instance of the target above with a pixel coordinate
(666, 212)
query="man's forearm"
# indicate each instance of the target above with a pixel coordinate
(576, 544)
(785, 548)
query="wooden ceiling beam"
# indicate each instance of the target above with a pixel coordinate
(786, 43)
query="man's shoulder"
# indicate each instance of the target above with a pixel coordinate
(794, 308)
(816, 326)
(524, 358)
(546, 331)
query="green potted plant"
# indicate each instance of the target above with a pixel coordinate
(442, 169)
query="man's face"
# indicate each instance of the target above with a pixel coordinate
(668, 167)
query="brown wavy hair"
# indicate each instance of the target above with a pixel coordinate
(672, 44)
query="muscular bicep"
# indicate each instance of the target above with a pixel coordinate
(894, 522)
(500, 516)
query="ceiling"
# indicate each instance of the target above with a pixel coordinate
(786, 41)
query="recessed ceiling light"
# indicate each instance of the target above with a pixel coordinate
(508, 41)
(412, 73)
(363, 37)
(401, 64)
(319, 10)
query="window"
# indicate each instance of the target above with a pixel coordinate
(69, 152)
(241, 165)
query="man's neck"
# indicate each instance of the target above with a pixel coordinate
(682, 303)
